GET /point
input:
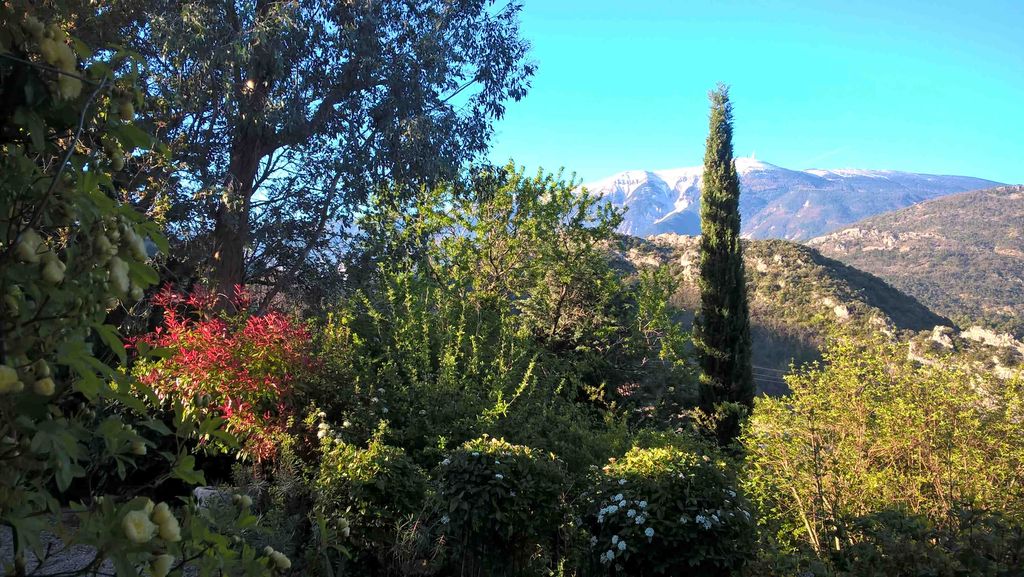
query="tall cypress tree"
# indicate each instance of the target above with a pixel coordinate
(722, 329)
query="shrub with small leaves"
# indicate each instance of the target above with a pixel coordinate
(670, 506)
(239, 367)
(363, 496)
(501, 506)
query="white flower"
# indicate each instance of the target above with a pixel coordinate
(499, 476)
(615, 539)
(649, 532)
(384, 410)
(170, 531)
(631, 513)
(511, 493)
(618, 497)
(622, 481)
(161, 566)
(283, 563)
(600, 517)
(643, 504)
(446, 462)
(445, 519)
(640, 519)
(497, 462)
(622, 545)
(346, 424)
(613, 509)
(321, 433)
(593, 541)
(373, 399)
(476, 453)
(381, 390)
(137, 526)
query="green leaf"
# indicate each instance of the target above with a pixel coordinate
(108, 334)
(185, 469)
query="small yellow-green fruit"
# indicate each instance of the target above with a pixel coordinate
(70, 87)
(126, 110)
(8, 379)
(48, 48)
(119, 276)
(44, 387)
(136, 293)
(138, 448)
(53, 271)
(67, 57)
(34, 27)
(137, 246)
(28, 247)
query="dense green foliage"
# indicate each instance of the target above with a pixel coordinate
(873, 447)
(72, 424)
(722, 329)
(670, 506)
(501, 508)
(962, 255)
(282, 117)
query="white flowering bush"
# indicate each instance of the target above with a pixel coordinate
(668, 507)
(500, 507)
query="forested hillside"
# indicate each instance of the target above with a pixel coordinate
(962, 255)
(797, 297)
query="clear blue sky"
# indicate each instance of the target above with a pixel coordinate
(931, 86)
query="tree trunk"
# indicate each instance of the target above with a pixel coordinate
(231, 232)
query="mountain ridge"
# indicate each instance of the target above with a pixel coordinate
(775, 202)
(962, 255)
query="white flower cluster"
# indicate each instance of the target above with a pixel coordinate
(142, 525)
(278, 558)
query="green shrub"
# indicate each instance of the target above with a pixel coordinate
(365, 496)
(501, 508)
(669, 508)
(894, 542)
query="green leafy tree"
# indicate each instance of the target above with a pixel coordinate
(722, 329)
(872, 431)
(283, 116)
(69, 253)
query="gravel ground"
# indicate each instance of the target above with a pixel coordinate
(61, 560)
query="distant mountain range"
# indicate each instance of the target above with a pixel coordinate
(961, 255)
(775, 202)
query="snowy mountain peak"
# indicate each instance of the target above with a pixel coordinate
(776, 202)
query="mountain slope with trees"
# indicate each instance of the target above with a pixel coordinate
(961, 255)
(797, 296)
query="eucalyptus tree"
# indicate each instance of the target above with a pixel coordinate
(282, 116)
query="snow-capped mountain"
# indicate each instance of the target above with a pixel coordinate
(775, 202)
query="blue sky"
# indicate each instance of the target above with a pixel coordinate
(924, 86)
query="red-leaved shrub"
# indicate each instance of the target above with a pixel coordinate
(239, 366)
